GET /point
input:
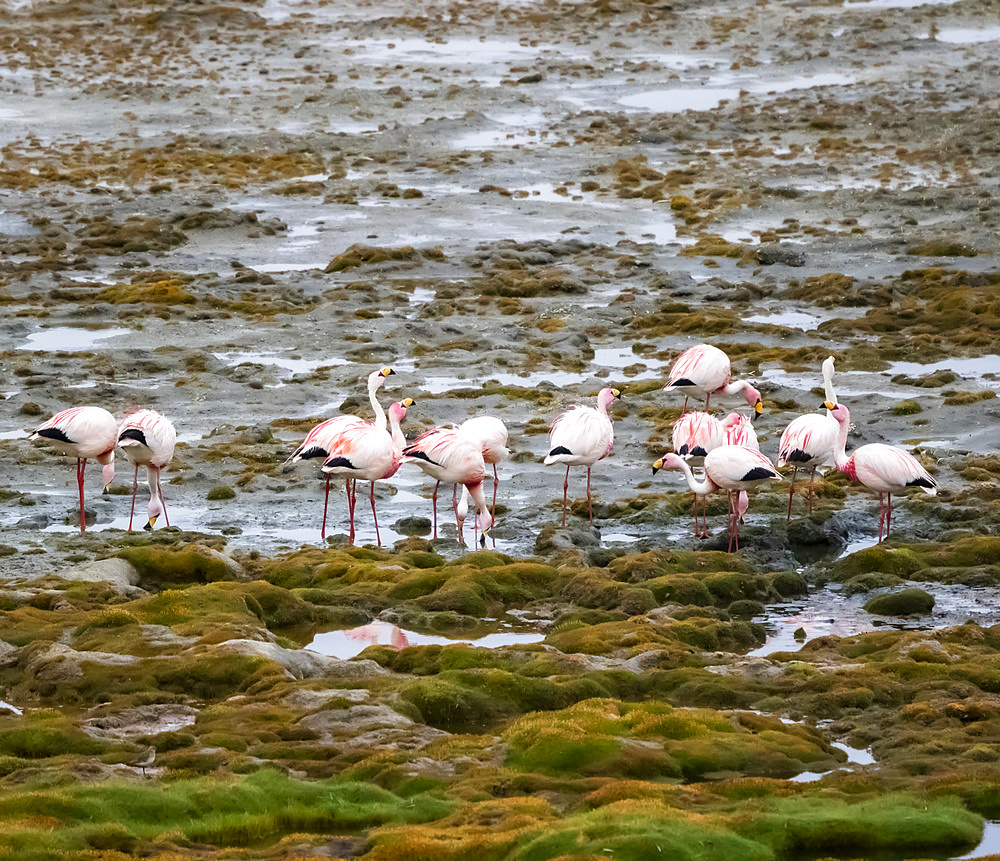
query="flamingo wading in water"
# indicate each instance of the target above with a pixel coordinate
(446, 455)
(810, 441)
(148, 439)
(581, 436)
(694, 436)
(732, 468)
(83, 432)
(491, 435)
(707, 369)
(319, 441)
(883, 468)
(368, 451)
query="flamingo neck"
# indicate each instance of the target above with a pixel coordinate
(831, 395)
(398, 440)
(604, 399)
(735, 387)
(703, 487)
(155, 505)
(375, 381)
(485, 521)
(840, 458)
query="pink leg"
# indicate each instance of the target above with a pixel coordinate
(434, 503)
(697, 533)
(81, 465)
(590, 502)
(791, 490)
(352, 498)
(888, 514)
(565, 490)
(812, 478)
(326, 504)
(684, 408)
(135, 486)
(496, 481)
(378, 539)
(454, 507)
(163, 502)
(708, 400)
(881, 517)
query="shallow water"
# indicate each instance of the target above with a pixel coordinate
(69, 339)
(347, 644)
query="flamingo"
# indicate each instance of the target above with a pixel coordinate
(694, 436)
(732, 468)
(368, 451)
(739, 431)
(318, 441)
(810, 440)
(707, 369)
(882, 468)
(491, 435)
(148, 439)
(447, 455)
(581, 436)
(83, 432)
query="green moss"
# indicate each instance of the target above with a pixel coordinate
(190, 564)
(907, 408)
(220, 492)
(367, 255)
(899, 562)
(909, 602)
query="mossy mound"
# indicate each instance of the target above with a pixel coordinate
(909, 602)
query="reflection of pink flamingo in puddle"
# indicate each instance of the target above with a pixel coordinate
(373, 631)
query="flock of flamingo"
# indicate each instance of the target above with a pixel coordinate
(353, 448)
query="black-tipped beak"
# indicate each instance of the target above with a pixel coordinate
(656, 469)
(107, 489)
(148, 527)
(391, 372)
(758, 411)
(482, 540)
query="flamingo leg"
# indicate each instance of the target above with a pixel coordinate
(684, 408)
(697, 534)
(378, 539)
(708, 400)
(454, 505)
(81, 465)
(565, 491)
(135, 487)
(352, 498)
(730, 522)
(326, 503)
(434, 503)
(163, 502)
(812, 478)
(881, 517)
(590, 501)
(888, 515)
(496, 481)
(791, 490)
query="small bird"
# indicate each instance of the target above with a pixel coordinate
(143, 759)
(446, 455)
(732, 468)
(368, 451)
(491, 435)
(581, 436)
(318, 441)
(694, 436)
(83, 432)
(707, 369)
(810, 440)
(883, 468)
(148, 439)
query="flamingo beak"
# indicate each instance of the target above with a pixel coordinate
(107, 489)
(149, 526)
(482, 539)
(828, 405)
(658, 466)
(758, 410)
(408, 402)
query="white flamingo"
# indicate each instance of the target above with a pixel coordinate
(810, 440)
(148, 439)
(491, 435)
(694, 435)
(582, 436)
(83, 433)
(707, 369)
(732, 468)
(885, 469)
(446, 455)
(367, 451)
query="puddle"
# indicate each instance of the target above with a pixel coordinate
(791, 319)
(895, 4)
(985, 369)
(15, 434)
(855, 756)
(69, 339)
(6, 706)
(12, 224)
(294, 366)
(347, 644)
(968, 35)
(988, 845)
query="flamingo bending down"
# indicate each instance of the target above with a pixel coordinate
(810, 440)
(446, 455)
(732, 468)
(368, 451)
(319, 440)
(694, 436)
(707, 369)
(882, 468)
(491, 435)
(83, 432)
(581, 436)
(148, 439)
(739, 431)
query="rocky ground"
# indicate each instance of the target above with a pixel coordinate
(232, 213)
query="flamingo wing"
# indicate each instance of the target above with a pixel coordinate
(808, 440)
(81, 431)
(363, 451)
(702, 367)
(696, 434)
(581, 435)
(886, 468)
(148, 437)
(319, 440)
(734, 467)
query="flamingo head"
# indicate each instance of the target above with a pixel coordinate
(385, 372)
(376, 379)
(606, 396)
(838, 411)
(398, 409)
(754, 399)
(108, 469)
(668, 461)
(155, 509)
(484, 521)
(742, 504)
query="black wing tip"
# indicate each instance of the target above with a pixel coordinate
(798, 456)
(419, 455)
(559, 449)
(758, 473)
(338, 461)
(682, 382)
(53, 433)
(312, 453)
(922, 482)
(698, 451)
(133, 433)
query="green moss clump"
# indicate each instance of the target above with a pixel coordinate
(366, 255)
(220, 492)
(909, 602)
(907, 408)
(961, 399)
(189, 564)
(900, 562)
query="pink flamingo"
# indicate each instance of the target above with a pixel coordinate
(446, 455)
(581, 436)
(148, 439)
(882, 468)
(732, 468)
(739, 431)
(83, 432)
(694, 436)
(368, 451)
(810, 440)
(491, 435)
(707, 369)
(319, 440)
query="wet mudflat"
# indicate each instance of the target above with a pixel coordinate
(233, 213)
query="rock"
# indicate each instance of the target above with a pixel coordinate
(755, 669)
(161, 636)
(303, 663)
(139, 721)
(307, 700)
(121, 574)
(59, 662)
(772, 253)
(553, 537)
(909, 602)
(371, 726)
